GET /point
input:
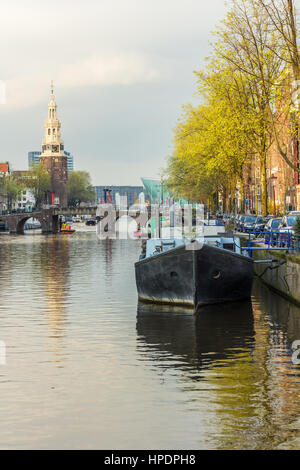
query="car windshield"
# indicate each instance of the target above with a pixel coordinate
(250, 218)
(242, 218)
(275, 223)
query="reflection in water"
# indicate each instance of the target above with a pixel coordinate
(85, 371)
(278, 325)
(56, 271)
(235, 364)
(194, 342)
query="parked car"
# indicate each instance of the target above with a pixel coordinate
(271, 231)
(260, 224)
(90, 222)
(249, 222)
(287, 229)
(294, 213)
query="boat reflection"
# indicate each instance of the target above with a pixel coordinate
(187, 341)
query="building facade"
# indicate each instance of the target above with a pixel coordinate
(25, 200)
(283, 182)
(53, 155)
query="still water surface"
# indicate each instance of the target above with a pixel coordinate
(86, 367)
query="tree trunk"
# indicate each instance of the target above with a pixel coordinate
(242, 193)
(263, 184)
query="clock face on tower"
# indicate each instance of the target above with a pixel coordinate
(55, 148)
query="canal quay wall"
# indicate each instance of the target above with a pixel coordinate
(284, 279)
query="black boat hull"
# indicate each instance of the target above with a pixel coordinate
(194, 277)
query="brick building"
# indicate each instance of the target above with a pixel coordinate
(283, 182)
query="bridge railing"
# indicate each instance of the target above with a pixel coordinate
(19, 211)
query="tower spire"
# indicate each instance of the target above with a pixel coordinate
(53, 155)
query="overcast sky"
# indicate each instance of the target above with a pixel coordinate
(121, 71)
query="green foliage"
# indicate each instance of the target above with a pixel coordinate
(211, 144)
(240, 90)
(39, 182)
(11, 189)
(80, 188)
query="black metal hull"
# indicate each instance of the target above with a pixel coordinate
(194, 277)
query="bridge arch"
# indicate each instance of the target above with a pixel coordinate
(22, 220)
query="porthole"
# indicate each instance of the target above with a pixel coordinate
(216, 275)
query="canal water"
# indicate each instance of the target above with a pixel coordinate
(86, 367)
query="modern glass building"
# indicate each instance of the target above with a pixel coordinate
(34, 156)
(70, 161)
(159, 192)
(132, 193)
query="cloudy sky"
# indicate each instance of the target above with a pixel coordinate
(121, 71)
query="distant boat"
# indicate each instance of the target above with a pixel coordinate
(194, 273)
(67, 230)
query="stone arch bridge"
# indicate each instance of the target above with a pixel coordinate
(49, 217)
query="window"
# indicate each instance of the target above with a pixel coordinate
(49, 131)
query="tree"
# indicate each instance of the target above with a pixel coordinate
(212, 146)
(79, 188)
(246, 102)
(283, 23)
(39, 182)
(12, 188)
(246, 44)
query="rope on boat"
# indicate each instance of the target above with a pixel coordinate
(270, 267)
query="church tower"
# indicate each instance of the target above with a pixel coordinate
(53, 156)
